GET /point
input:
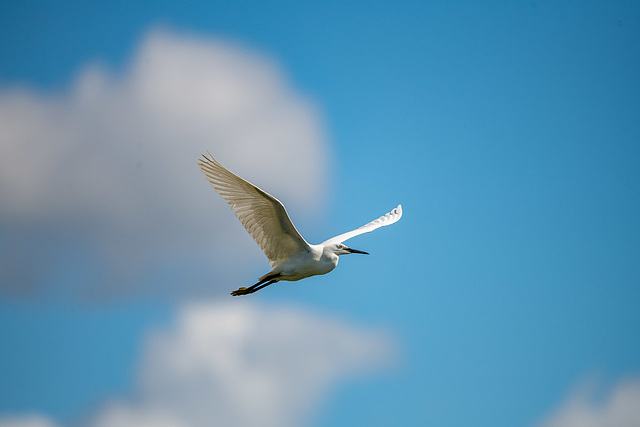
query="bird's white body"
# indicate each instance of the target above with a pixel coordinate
(314, 262)
(266, 220)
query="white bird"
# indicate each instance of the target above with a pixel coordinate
(290, 256)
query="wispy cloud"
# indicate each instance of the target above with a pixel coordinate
(104, 173)
(238, 364)
(587, 407)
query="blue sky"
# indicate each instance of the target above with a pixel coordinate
(509, 131)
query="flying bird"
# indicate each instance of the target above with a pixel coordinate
(264, 217)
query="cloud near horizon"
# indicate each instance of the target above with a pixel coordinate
(103, 174)
(239, 364)
(218, 358)
(618, 407)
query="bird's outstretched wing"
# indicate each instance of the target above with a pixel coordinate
(386, 219)
(264, 216)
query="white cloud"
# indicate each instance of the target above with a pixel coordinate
(239, 364)
(107, 167)
(620, 407)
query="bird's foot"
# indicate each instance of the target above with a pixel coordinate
(241, 291)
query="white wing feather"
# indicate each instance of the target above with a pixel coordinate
(384, 220)
(262, 215)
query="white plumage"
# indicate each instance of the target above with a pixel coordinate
(265, 218)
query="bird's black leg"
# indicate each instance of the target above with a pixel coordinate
(251, 289)
(270, 282)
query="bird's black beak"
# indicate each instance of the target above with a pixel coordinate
(355, 251)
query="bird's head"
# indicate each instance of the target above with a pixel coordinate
(340, 249)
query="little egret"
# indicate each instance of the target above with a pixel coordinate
(290, 256)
